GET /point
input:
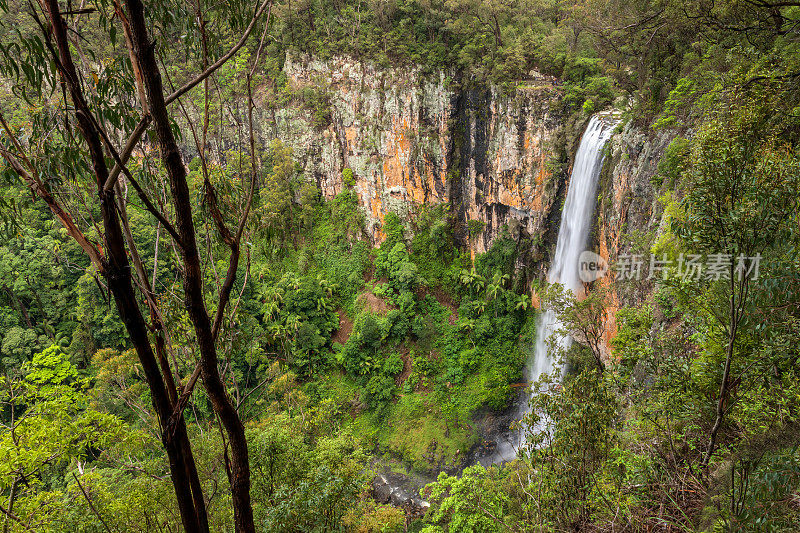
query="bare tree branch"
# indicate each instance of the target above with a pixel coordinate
(137, 133)
(89, 501)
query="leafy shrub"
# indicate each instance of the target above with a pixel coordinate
(298, 313)
(381, 388)
(359, 355)
(394, 364)
(632, 340)
(348, 178)
(673, 162)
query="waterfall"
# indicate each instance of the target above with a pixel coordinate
(573, 234)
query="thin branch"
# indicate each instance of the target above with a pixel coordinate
(39, 189)
(224, 296)
(126, 153)
(14, 517)
(221, 61)
(89, 501)
(142, 194)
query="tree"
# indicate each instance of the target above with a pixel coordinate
(93, 161)
(275, 210)
(569, 438)
(472, 503)
(583, 318)
(48, 422)
(741, 195)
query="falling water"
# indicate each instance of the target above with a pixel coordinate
(573, 233)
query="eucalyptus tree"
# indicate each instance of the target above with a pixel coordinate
(740, 204)
(83, 99)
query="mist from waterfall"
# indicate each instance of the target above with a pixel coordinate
(573, 234)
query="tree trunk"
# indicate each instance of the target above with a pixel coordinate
(157, 328)
(725, 384)
(117, 272)
(193, 275)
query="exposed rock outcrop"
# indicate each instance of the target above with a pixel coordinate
(398, 490)
(629, 213)
(411, 138)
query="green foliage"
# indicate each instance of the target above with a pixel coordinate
(299, 316)
(673, 162)
(433, 247)
(393, 364)
(741, 183)
(48, 424)
(359, 355)
(18, 344)
(381, 388)
(678, 101)
(305, 487)
(470, 503)
(275, 209)
(50, 368)
(569, 439)
(752, 499)
(632, 341)
(348, 178)
(475, 228)
(486, 41)
(403, 274)
(501, 257)
(317, 101)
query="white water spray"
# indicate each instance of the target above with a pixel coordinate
(573, 234)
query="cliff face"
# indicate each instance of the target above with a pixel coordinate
(629, 214)
(412, 139)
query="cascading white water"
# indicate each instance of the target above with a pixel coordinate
(573, 233)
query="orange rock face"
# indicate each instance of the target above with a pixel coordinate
(628, 212)
(410, 140)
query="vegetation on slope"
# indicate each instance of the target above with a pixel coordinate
(333, 352)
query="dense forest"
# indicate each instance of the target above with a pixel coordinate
(200, 330)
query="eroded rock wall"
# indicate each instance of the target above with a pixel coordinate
(509, 154)
(411, 139)
(630, 214)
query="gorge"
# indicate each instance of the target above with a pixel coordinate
(496, 157)
(336, 265)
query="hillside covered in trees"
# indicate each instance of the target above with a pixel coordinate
(283, 266)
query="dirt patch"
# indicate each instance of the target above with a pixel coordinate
(374, 303)
(345, 328)
(369, 273)
(407, 365)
